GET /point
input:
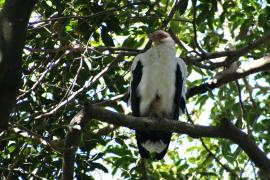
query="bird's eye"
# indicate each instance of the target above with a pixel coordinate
(162, 36)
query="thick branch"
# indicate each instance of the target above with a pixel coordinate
(13, 25)
(71, 143)
(226, 130)
(229, 75)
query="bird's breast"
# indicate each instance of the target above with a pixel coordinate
(157, 86)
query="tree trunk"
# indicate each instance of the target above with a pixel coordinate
(13, 26)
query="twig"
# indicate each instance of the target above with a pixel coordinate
(165, 22)
(254, 172)
(256, 108)
(243, 111)
(176, 40)
(111, 100)
(41, 78)
(70, 88)
(15, 162)
(228, 169)
(194, 2)
(237, 53)
(112, 49)
(12, 167)
(144, 169)
(38, 138)
(243, 169)
(99, 50)
(179, 19)
(167, 4)
(264, 88)
(171, 14)
(116, 165)
(240, 99)
(89, 16)
(20, 170)
(208, 150)
(106, 130)
(88, 85)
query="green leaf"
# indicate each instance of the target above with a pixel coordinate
(95, 165)
(183, 6)
(2, 3)
(49, 3)
(201, 100)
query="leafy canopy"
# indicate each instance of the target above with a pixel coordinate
(69, 43)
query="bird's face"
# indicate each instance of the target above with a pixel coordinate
(159, 37)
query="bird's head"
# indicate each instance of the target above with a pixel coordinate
(159, 37)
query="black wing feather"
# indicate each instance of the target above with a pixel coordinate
(179, 100)
(135, 98)
(141, 136)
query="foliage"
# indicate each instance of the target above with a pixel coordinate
(62, 56)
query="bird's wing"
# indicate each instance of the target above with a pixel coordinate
(136, 75)
(180, 89)
(183, 68)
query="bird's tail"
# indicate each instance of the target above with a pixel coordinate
(153, 144)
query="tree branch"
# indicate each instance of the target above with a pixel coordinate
(101, 13)
(165, 22)
(144, 169)
(108, 102)
(72, 141)
(176, 40)
(56, 145)
(235, 53)
(194, 2)
(225, 130)
(171, 14)
(262, 64)
(88, 85)
(50, 66)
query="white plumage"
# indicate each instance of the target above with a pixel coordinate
(154, 86)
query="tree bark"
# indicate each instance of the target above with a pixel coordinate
(13, 26)
(72, 142)
(230, 75)
(225, 130)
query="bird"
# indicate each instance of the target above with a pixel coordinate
(157, 90)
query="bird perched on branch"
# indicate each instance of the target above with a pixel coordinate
(157, 90)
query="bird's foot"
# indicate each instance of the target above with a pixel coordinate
(156, 118)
